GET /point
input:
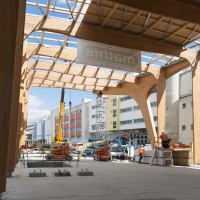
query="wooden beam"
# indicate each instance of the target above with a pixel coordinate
(9, 24)
(19, 59)
(139, 91)
(196, 110)
(176, 67)
(175, 9)
(161, 101)
(101, 35)
(141, 97)
(125, 40)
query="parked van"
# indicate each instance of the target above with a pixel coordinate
(117, 152)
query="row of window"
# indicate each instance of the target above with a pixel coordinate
(135, 121)
(125, 98)
(73, 129)
(153, 104)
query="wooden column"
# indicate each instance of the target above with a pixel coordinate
(196, 111)
(22, 113)
(194, 59)
(9, 26)
(140, 91)
(140, 95)
(161, 101)
(16, 89)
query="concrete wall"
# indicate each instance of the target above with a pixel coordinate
(185, 108)
(172, 106)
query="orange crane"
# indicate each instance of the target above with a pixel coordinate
(102, 154)
(60, 153)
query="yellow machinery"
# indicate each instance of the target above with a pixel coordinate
(59, 137)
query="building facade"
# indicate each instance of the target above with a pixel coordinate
(119, 114)
(185, 108)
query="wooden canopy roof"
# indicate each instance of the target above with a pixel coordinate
(160, 29)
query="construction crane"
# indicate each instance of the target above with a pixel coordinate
(59, 136)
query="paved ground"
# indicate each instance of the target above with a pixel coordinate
(111, 181)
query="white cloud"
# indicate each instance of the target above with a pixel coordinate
(35, 110)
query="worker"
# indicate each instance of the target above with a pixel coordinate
(127, 136)
(165, 140)
(140, 152)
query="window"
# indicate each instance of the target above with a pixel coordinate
(78, 111)
(125, 122)
(114, 113)
(138, 120)
(136, 108)
(155, 118)
(93, 116)
(126, 110)
(153, 104)
(93, 127)
(93, 107)
(114, 102)
(125, 98)
(115, 124)
(192, 127)
(184, 105)
(191, 103)
(183, 128)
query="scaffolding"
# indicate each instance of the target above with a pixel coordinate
(100, 127)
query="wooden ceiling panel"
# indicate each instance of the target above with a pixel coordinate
(88, 87)
(113, 84)
(66, 78)
(102, 82)
(99, 88)
(117, 75)
(41, 65)
(90, 71)
(90, 81)
(69, 85)
(59, 84)
(53, 76)
(103, 73)
(60, 67)
(40, 74)
(79, 87)
(48, 82)
(37, 81)
(78, 80)
(75, 69)
(130, 78)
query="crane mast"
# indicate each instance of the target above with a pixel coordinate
(59, 136)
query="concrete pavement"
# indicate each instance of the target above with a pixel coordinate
(111, 181)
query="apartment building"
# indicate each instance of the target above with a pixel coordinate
(114, 115)
(42, 130)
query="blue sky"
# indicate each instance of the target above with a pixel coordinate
(42, 100)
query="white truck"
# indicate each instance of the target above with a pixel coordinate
(117, 151)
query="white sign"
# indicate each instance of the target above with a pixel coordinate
(97, 54)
